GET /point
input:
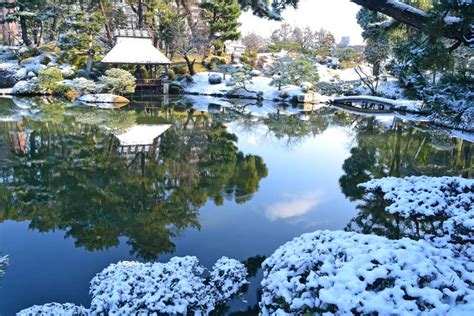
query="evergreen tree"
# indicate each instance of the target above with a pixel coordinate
(223, 19)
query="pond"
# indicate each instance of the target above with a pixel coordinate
(83, 187)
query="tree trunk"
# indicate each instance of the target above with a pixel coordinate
(54, 29)
(141, 20)
(106, 24)
(190, 65)
(24, 28)
(416, 18)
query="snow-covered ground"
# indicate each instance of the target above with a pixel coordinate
(258, 85)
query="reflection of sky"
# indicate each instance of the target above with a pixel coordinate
(300, 194)
(292, 206)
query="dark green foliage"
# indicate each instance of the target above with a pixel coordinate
(222, 17)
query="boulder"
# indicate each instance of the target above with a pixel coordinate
(8, 71)
(103, 98)
(215, 79)
(33, 64)
(255, 73)
(306, 86)
(175, 88)
(309, 97)
(23, 87)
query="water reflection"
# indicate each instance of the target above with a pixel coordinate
(81, 172)
(72, 176)
(400, 150)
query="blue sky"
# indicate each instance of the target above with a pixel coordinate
(337, 16)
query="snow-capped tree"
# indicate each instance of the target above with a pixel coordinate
(290, 70)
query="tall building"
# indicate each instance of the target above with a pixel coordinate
(345, 41)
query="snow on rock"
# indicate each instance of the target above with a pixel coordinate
(66, 309)
(8, 74)
(102, 98)
(215, 79)
(346, 273)
(178, 286)
(30, 87)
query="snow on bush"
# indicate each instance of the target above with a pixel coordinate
(425, 196)
(66, 309)
(227, 277)
(174, 287)
(347, 273)
(445, 203)
(85, 86)
(118, 81)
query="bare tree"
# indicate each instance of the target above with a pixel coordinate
(253, 42)
(370, 81)
(187, 44)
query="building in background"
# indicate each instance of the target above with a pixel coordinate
(9, 30)
(345, 41)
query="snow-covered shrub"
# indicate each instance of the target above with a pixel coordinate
(240, 80)
(66, 309)
(350, 273)
(437, 206)
(294, 71)
(227, 277)
(174, 287)
(85, 86)
(50, 77)
(118, 81)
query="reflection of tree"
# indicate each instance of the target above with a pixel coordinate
(292, 129)
(73, 179)
(399, 151)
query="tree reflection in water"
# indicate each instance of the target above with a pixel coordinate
(400, 150)
(73, 178)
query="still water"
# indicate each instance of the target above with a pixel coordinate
(83, 187)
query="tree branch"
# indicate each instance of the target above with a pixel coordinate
(418, 18)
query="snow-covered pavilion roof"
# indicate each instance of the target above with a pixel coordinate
(135, 47)
(142, 134)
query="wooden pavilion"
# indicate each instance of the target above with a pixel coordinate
(135, 47)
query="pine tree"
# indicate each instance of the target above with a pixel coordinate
(223, 19)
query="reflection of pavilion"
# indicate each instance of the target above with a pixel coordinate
(141, 139)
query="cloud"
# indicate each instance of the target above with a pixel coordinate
(293, 206)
